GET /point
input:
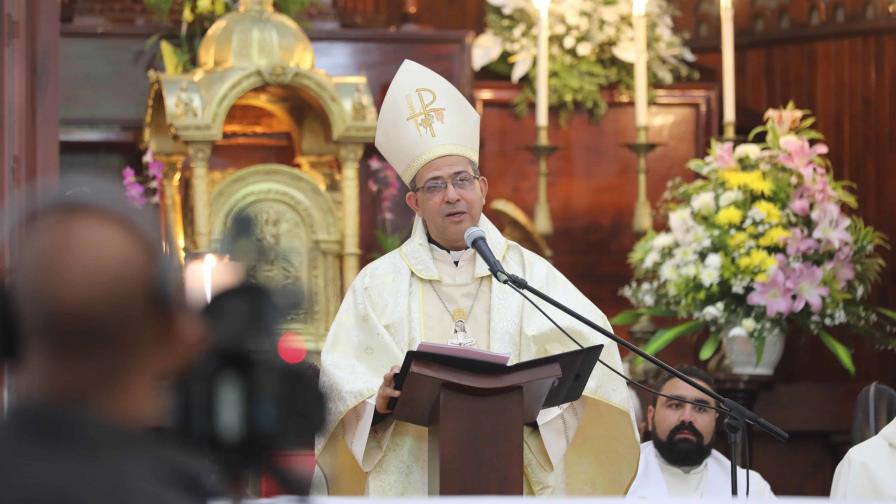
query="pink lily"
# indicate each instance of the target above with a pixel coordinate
(806, 283)
(724, 155)
(799, 244)
(832, 231)
(774, 294)
(798, 153)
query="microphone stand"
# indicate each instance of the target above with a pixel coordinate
(738, 415)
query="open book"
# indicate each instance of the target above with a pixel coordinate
(576, 366)
(464, 352)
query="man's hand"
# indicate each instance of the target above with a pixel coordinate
(387, 391)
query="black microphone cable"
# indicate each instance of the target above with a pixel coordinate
(626, 378)
(647, 389)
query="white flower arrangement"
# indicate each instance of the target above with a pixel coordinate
(591, 47)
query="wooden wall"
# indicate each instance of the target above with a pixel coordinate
(29, 108)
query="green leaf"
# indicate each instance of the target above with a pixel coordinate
(665, 336)
(843, 354)
(709, 346)
(887, 312)
(626, 317)
(759, 345)
(757, 130)
(659, 312)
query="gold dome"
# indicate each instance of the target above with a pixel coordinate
(255, 36)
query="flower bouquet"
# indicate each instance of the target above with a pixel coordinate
(591, 47)
(760, 242)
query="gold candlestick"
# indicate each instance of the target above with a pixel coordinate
(728, 131)
(643, 221)
(542, 150)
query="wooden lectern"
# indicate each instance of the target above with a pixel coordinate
(475, 412)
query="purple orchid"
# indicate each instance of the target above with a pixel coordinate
(156, 169)
(128, 175)
(134, 191)
(774, 294)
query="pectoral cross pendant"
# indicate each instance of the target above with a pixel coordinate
(461, 338)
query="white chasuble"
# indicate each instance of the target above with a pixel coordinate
(868, 471)
(588, 448)
(711, 479)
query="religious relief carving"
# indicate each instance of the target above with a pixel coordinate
(362, 109)
(187, 103)
(282, 245)
(278, 74)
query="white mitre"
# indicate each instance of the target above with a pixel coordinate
(424, 117)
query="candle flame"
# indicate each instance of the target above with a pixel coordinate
(639, 7)
(208, 264)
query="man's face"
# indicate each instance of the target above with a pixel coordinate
(448, 198)
(682, 432)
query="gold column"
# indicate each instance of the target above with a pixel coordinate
(199, 156)
(350, 158)
(172, 204)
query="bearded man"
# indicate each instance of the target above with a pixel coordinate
(679, 460)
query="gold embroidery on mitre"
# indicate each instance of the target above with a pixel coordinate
(459, 314)
(425, 119)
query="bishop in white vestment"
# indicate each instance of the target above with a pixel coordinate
(868, 471)
(433, 289)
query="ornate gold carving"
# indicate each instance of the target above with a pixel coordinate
(350, 157)
(297, 228)
(186, 103)
(425, 119)
(362, 109)
(199, 155)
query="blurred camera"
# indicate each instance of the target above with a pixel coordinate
(240, 402)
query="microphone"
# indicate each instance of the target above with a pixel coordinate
(475, 238)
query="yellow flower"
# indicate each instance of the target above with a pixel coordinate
(774, 236)
(761, 277)
(751, 230)
(220, 8)
(204, 6)
(756, 182)
(770, 210)
(187, 14)
(756, 259)
(738, 239)
(733, 179)
(729, 216)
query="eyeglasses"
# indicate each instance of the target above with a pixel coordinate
(461, 182)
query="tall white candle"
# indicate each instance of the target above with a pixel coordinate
(541, 65)
(639, 21)
(726, 12)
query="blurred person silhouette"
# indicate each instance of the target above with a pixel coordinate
(100, 334)
(868, 471)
